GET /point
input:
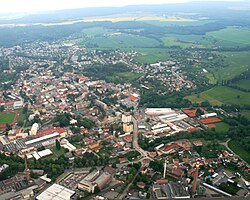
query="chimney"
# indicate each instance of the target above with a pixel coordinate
(27, 171)
(195, 178)
(165, 169)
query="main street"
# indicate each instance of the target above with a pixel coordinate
(135, 141)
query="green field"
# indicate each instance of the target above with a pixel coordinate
(222, 95)
(237, 148)
(222, 127)
(237, 63)
(152, 55)
(100, 38)
(244, 84)
(170, 41)
(6, 118)
(231, 37)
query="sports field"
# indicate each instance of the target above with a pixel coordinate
(222, 95)
(7, 117)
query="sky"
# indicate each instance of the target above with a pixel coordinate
(17, 6)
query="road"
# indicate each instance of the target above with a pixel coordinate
(228, 148)
(135, 141)
(122, 196)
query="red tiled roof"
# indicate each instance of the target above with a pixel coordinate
(132, 98)
(162, 181)
(93, 146)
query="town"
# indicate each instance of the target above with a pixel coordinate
(72, 134)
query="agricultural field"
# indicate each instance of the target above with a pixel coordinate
(6, 118)
(152, 55)
(244, 84)
(231, 37)
(117, 40)
(222, 95)
(245, 113)
(238, 62)
(236, 146)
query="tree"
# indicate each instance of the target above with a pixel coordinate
(58, 145)
(1, 108)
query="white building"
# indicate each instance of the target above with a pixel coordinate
(18, 104)
(34, 129)
(67, 145)
(56, 192)
(128, 128)
(157, 111)
(209, 115)
(126, 118)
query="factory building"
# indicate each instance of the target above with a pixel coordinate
(170, 191)
(56, 192)
(46, 141)
(103, 180)
(158, 111)
(93, 180)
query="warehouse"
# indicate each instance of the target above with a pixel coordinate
(56, 192)
(47, 140)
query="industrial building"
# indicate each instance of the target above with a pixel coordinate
(93, 180)
(56, 192)
(172, 117)
(47, 140)
(158, 111)
(103, 180)
(170, 191)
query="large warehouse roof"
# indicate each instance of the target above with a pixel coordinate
(56, 192)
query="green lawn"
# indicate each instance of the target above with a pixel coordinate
(222, 127)
(222, 95)
(237, 148)
(210, 150)
(6, 118)
(56, 153)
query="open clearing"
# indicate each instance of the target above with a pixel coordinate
(222, 95)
